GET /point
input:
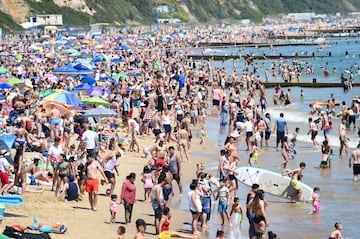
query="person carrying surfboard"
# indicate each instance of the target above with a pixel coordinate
(296, 176)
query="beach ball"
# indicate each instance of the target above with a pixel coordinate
(108, 191)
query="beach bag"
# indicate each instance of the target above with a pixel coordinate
(12, 232)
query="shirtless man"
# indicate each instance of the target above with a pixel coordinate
(313, 129)
(156, 125)
(343, 138)
(261, 127)
(174, 162)
(55, 116)
(186, 122)
(296, 176)
(183, 142)
(167, 189)
(92, 168)
(325, 124)
(355, 156)
(157, 148)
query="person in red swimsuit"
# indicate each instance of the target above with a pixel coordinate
(165, 229)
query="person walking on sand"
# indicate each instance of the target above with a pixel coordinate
(183, 143)
(336, 234)
(110, 165)
(355, 156)
(92, 168)
(174, 162)
(128, 196)
(157, 201)
(296, 176)
(343, 138)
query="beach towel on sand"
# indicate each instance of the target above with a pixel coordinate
(13, 233)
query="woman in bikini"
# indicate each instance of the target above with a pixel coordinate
(257, 207)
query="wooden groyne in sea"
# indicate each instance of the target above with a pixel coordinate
(249, 44)
(306, 84)
(263, 57)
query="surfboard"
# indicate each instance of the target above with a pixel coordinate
(271, 182)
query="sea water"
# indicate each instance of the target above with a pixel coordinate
(338, 194)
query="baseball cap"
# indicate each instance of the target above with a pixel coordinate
(140, 222)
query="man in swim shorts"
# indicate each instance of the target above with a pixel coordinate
(355, 156)
(296, 176)
(55, 116)
(92, 181)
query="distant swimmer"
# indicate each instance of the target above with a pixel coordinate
(336, 234)
(355, 157)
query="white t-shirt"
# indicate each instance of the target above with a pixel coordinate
(248, 126)
(55, 152)
(3, 164)
(89, 137)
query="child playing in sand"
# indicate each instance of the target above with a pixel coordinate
(148, 183)
(238, 211)
(120, 233)
(336, 234)
(316, 200)
(113, 208)
(146, 151)
(254, 154)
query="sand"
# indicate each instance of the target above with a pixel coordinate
(84, 223)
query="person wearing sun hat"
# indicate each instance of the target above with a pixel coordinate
(4, 171)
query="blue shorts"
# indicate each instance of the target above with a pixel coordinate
(223, 207)
(167, 128)
(167, 192)
(206, 204)
(55, 121)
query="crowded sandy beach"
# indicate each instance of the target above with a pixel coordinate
(125, 136)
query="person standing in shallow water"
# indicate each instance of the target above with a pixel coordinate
(355, 156)
(257, 207)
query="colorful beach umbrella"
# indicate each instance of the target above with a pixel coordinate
(88, 80)
(70, 51)
(94, 100)
(70, 70)
(121, 74)
(84, 86)
(65, 98)
(98, 91)
(45, 93)
(13, 81)
(3, 70)
(5, 86)
(101, 112)
(64, 109)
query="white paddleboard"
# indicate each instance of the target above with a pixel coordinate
(271, 182)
